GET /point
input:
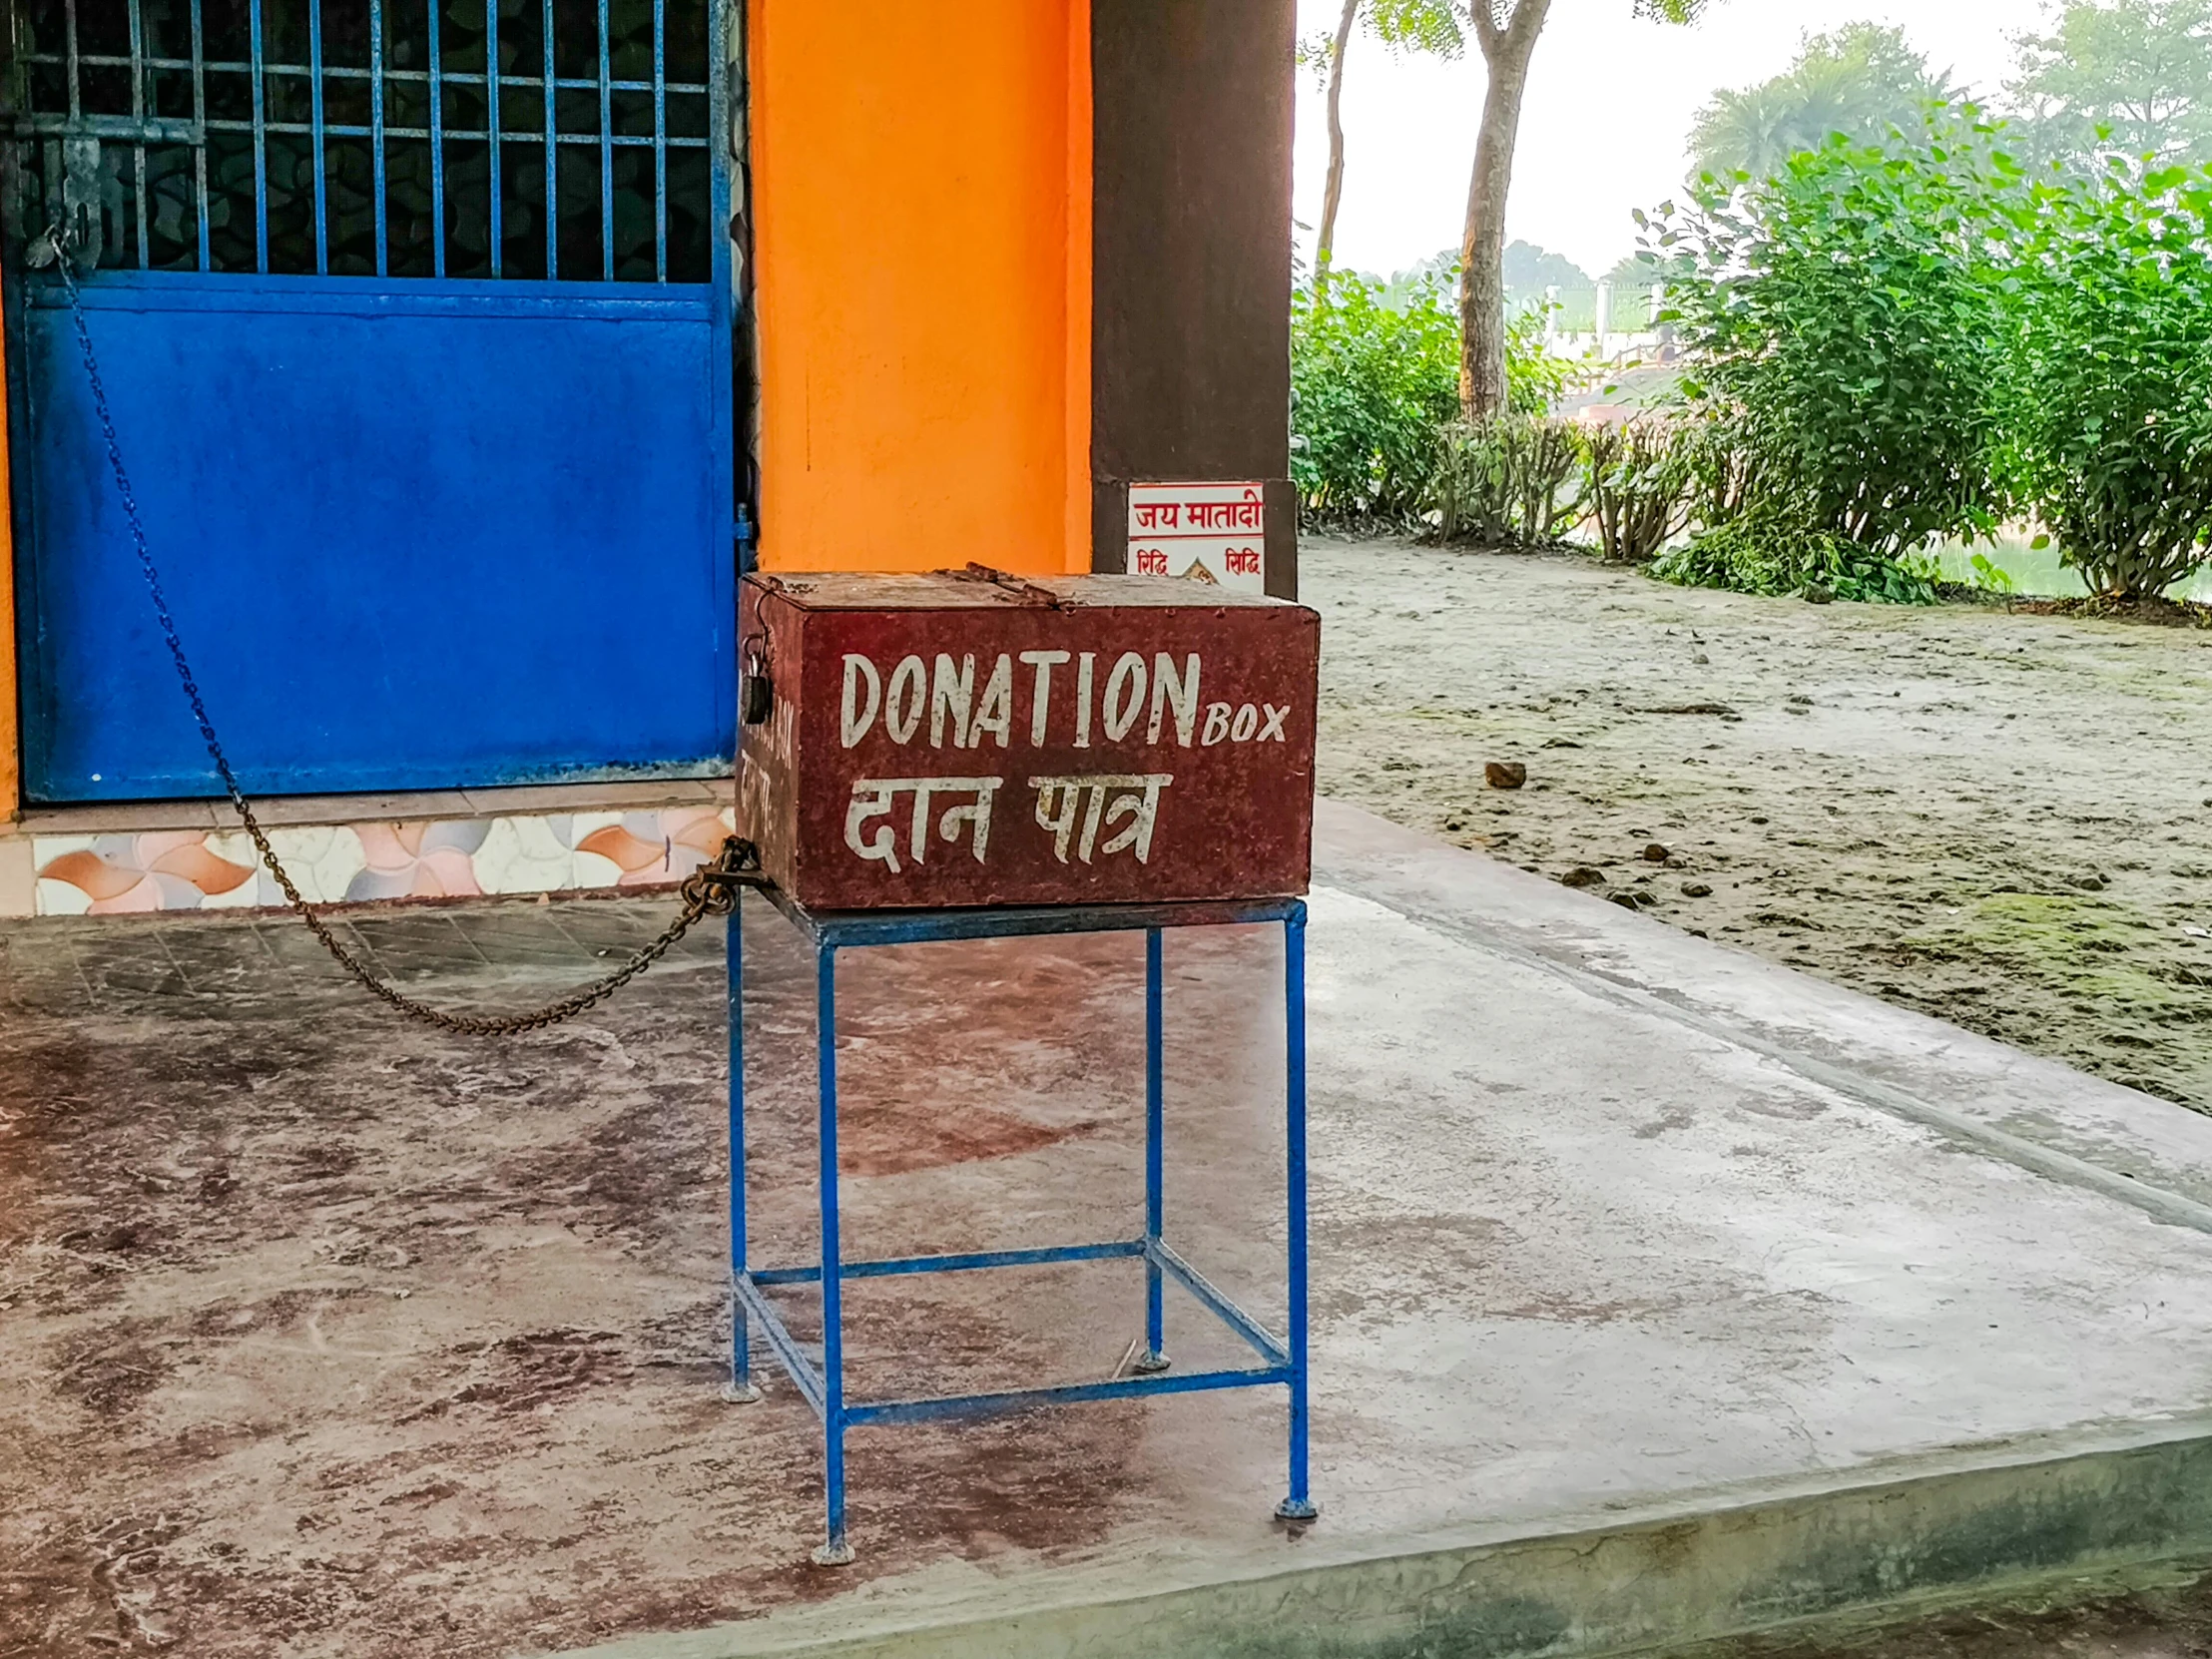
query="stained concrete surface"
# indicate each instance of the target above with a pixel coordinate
(328, 1337)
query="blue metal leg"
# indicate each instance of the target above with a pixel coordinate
(1155, 1356)
(1299, 1505)
(835, 1551)
(1284, 1362)
(739, 1391)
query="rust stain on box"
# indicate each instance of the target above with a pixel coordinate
(947, 740)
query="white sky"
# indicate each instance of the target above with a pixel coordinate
(1607, 126)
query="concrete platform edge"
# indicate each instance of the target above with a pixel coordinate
(1969, 1524)
(2150, 1154)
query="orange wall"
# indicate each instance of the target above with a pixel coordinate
(921, 179)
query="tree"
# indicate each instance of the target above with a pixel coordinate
(1333, 185)
(1404, 24)
(1527, 265)
(1861, 80)
(1529, 271)
(1505, 32)
(2131, 75)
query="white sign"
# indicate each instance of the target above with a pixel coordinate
(1207, 532)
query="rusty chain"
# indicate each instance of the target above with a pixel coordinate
(711, 891)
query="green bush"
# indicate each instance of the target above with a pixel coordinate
(1640, 485)
(1504, 482)
(1770, 551)
(1845, 327)
(1727, 474)
(1371, 388)
(2107, 421)
(1374, 386)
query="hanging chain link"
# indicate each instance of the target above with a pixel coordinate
(711, 891)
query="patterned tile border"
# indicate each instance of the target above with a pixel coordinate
(351, 863)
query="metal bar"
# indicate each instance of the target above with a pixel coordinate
(834, 1546)
(740, 1353)
(782, 1344)
(346, 72)
(851, 929)
(261, 154)
(1119, 1250)
(183, 132)
(1299, 1504)
(377, 125)
(438, 148)
(138, 113)
(192, 131)
(660, 141)
(492, 78)
(1015, 1399)
(129, 289)
(606, 154)
(1244, 1326)
(1155, 1355)
(314, 116)
(106, 60)
(152, 128)
(69, 31)
(157, 129)
(19, 79)
(723, 32)
(552, 159)
(199, 119)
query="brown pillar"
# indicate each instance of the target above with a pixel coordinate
(1191, 258)
(11, 735)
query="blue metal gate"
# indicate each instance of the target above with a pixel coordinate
(416, 320)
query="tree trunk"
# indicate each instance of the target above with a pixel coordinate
(1332, 190)
(1506, 51)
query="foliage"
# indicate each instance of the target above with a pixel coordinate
(1374, 384)
(1441, 267)
(2108, 426)
(1861, 80)
(1531, 272)
(1987, 577)
(1504, 482)
(1371, 388)
(1439, 28)
(1727, 475)
(1433, 27)
(1639, 489)
(1768, 550)
(2131, 75)
(1534, 378)
(1848, 338)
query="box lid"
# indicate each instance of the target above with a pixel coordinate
(978, 588)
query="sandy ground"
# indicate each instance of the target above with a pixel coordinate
(1997, 818)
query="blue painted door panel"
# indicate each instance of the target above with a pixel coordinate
(416, 535)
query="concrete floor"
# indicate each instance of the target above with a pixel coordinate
(1659, 1292)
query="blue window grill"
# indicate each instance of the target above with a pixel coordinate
(562, 139)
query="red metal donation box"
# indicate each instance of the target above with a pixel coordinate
(976, 739)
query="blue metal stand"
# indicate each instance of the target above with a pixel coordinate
(1282, 1362)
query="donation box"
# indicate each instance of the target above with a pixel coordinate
(971, 738)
